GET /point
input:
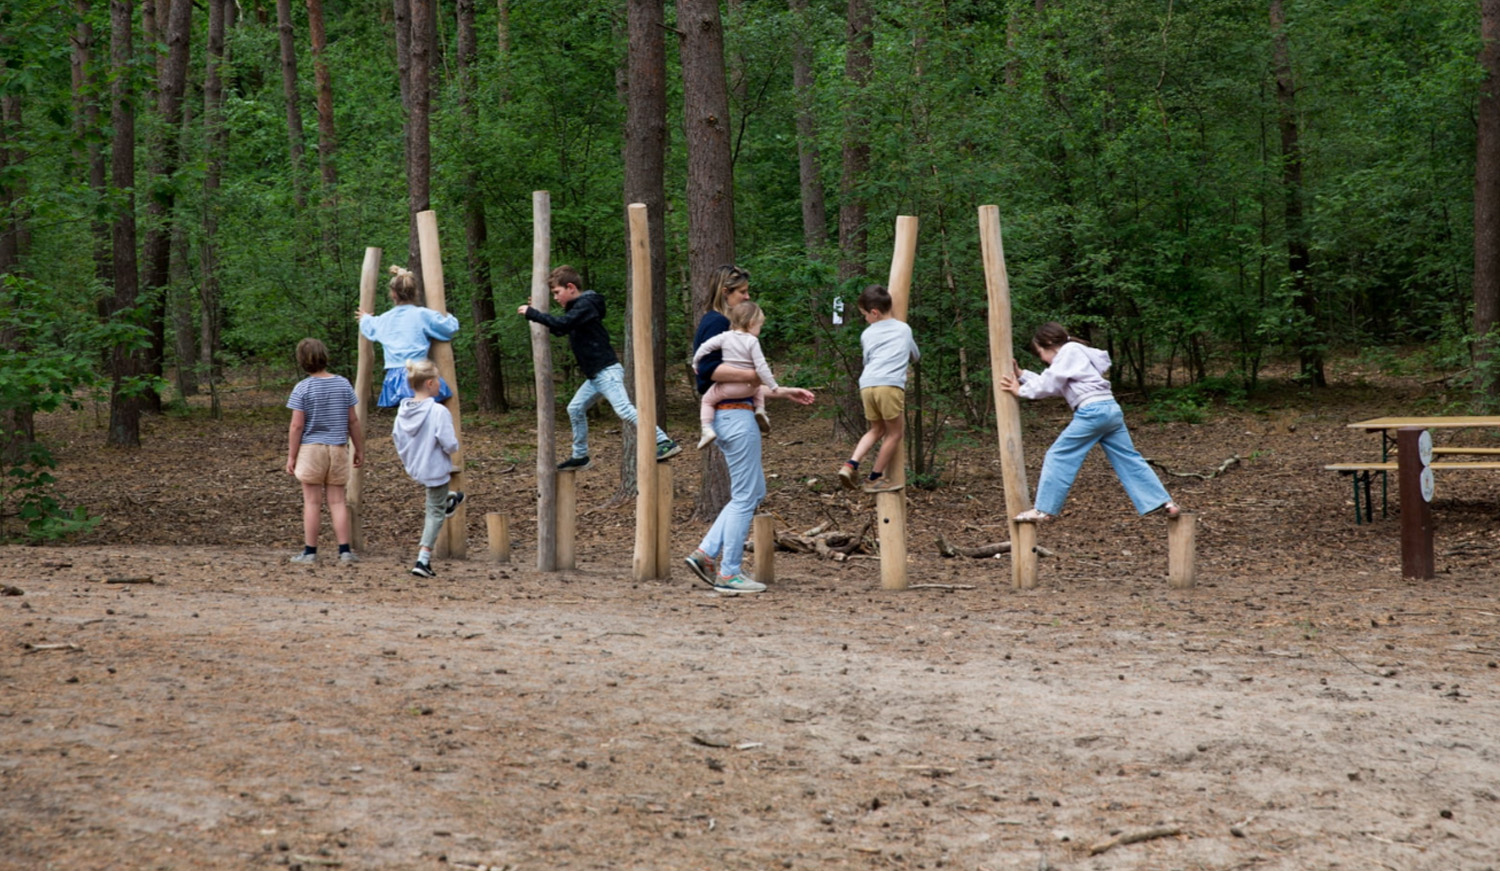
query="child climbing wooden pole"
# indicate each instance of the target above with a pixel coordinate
(890, 505)
(547, 544)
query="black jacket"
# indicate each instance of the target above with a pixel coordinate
(582, 322)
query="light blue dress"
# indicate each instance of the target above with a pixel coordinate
(406, 332)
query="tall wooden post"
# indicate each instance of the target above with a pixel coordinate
(644, 566)
(890, 507)
(547, 545)
(1023, 563)
(369, 277)
(1414, 478)
(453, 541)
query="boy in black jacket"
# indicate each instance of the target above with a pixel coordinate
(582, 322)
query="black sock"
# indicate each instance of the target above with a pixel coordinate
(343, 548)
(876, 476)
(307, 548)
(853, 464)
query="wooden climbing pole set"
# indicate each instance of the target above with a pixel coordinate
(557, 505)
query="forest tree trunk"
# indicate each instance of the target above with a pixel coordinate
(488, 363)
(293, 106)
(327, 141)
(215, 141)
(1298, 258)
(419, 161)
(809, 171)
(1487, 203)
(710, 188)
(125, 361)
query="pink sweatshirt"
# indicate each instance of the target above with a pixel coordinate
(1076, 374)
(742, 351)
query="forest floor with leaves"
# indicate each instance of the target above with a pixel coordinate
(1302, 707)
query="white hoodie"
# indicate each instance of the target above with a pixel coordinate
(1076, 374)
(424, 440)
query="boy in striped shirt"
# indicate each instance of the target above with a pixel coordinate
(317, 453)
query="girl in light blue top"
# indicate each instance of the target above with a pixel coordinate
(406, 332)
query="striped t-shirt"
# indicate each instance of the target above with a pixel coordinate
(325, 402)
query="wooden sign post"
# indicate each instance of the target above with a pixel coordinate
(1023, 562)
(890, 506)
(369, 277)
(646, 565)
(547, 546)
(1414, 478)
(453, 541)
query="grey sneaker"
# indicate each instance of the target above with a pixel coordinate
(574, 464)
(703, 566)
(738, 584)
(667, 450)
(348, 557)
(305, 559)
(884, 484)
(455, 498)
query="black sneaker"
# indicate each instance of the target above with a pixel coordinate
(455, 497)
(667, 450)
(423, 570)
(576, 464)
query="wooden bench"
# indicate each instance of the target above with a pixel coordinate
(1362, 473)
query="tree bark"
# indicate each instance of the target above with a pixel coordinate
(125, 362)
(809, 170)
(86, 109)
(166, 155)
(327, 142)
(419, 160)
(859, 64)
(18, 421)
(293, 105)
(644, 92)
(215, 141)
(488, 363)
(710, 187)
(1487, 202)
(1298, 257)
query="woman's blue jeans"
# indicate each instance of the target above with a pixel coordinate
(739, 439)
(608, 384)
(1101, 423)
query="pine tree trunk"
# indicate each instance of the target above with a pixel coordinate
(858, 67)
(215, 143)
(17, 422)
(1487, 202)
(488, 363)
(419, 158)
(1298, 258)
(710, 187)
(293, 105)
(166, 154)
(327, 141)
(809, 170)
(86, 114)
(125, 362)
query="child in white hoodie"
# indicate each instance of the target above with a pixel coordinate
(425, 441)
(1075, 372)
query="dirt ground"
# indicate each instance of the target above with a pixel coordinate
(1303, 707)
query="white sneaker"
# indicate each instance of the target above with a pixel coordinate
(708, 437)
(304, 559)
(348, 557)
(763, 421)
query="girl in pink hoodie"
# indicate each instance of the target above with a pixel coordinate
(1075, 372)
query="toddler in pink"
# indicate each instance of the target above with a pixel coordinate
(740, 345)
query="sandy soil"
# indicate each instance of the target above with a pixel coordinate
(1302, 707)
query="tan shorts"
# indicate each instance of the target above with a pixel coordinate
(883, 403)
(323, 464)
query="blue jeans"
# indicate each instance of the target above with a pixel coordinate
(608, 384)
(739, 439)
(1101, 423)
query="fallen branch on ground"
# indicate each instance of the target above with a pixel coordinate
(1223, 467)
(984, 551)
(1134, 838)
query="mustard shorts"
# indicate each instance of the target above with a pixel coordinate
(323, 464)
(883, 402)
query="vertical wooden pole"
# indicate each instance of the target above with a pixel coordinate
(644, 566)
(565, 524)
(1182, 551)
(453, 541)
(1416, 512)
(498, 527)
(663, 520)
(548, 548)
(369, 277)
(1023, 563)
(763, 533)
(890, 507)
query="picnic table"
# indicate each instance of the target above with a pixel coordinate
(1363, 472)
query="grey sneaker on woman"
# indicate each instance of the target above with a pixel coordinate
(738, 584)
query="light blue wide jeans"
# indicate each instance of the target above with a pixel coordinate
(609, 384)
(1101, 423)
(739, 439)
